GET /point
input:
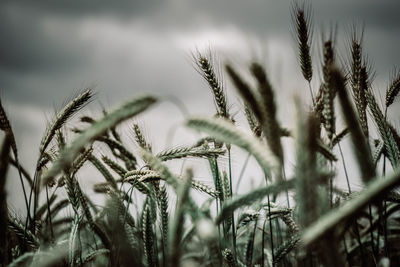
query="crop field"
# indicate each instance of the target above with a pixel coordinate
(291, 210)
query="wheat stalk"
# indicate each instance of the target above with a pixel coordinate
(176, 229)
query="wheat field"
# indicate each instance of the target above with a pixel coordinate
(151, 215)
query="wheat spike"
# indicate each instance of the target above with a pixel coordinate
(67, 112)
(302, 21)
(328, 111)
(6, 127)
(384, 130)
(252, 121)
(378, 152)
(356, 55)
(126, 111)
(362, 105)
(164, 215)
(104, 171)
(207, 70)
(114, 166)
(139, 137)
(393, 89)
(18, 228)
(183, 152)
(286, 247)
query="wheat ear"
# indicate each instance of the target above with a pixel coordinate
(394, 89)
(328, 111)
(362, 106)
(183, 152)
(6, 127)
(126, 111)
(207, 70)
(139, 138)
(302, 21)
(384, 130)
(68, 111)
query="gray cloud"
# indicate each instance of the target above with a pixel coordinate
(49, 49)
(28, 46)
(86, 7)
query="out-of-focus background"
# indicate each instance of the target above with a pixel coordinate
(50, 50)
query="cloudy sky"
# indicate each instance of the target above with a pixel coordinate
(49, 50)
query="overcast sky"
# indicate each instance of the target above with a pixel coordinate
(49, 50)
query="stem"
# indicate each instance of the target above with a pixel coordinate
(262, 244)
(232, 215)
(287, 190)
(344, 167)
(371, 233)
(23, 190)
(48, 211)
(311, 93)
(242, 172)
(270, 231)
(385, 204)
(360, 243)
